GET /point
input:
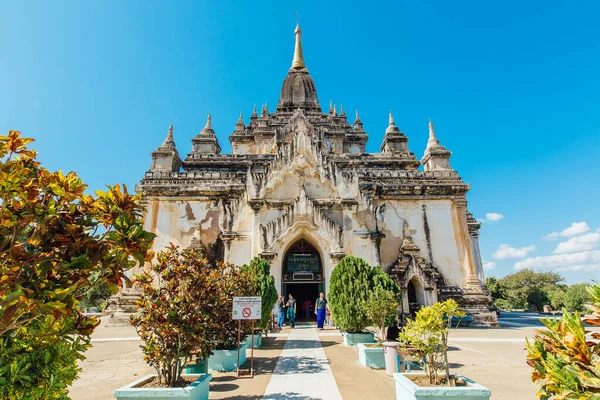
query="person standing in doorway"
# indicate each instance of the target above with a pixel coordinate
(280, 313)
(291, 310)
(321, 308)
(307, 308)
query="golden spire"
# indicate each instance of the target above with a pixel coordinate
(298, 62)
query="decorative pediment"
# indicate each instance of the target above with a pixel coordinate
(410, 264)
(302, 210)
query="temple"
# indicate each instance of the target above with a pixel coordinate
(300, 190)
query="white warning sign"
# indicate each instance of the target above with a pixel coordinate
(247, 307)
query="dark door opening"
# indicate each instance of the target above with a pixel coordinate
(303, 292)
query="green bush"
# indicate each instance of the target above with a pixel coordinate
(351, 284)
(381, 309)
(35, 364)
(260, 272)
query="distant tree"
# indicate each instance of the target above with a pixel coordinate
(494, 287)
(264, 286)
(577, 297)
(557, 298)
(527, 287)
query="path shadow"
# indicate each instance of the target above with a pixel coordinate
(279, 396)
(299, 365)
(223, 387)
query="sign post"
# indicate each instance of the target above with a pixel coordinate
(244, 309)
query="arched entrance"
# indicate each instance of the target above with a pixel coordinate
(302, 275)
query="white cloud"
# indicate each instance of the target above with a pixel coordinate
(505, 251)
(588, 241)
(493, 217)
(488, 265)
(582, 261)
(576, 228)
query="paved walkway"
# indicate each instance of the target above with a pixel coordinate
(302, 371)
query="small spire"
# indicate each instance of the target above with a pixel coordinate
(433, 140)
(241, 119)
(298, 62)
(169, 143)
(335, 110)
(254, 114)
(358, 125)
(330, 106)
(392, 128)
(342, 112)
(208, 129)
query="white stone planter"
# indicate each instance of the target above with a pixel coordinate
(371, 356)
(352, 339)
(196, 391)
(226, 360)
(407, 390)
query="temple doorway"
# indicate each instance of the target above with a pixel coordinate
(416, 295)
(303, 276)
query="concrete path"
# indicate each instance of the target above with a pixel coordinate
(302, 371)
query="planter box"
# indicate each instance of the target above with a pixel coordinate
(257, 340)
(407, 390)
(371, 356)
(352, 339)
(196, 391)
(193, 369)
(226, 360)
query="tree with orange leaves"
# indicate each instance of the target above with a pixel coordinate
(56, 244)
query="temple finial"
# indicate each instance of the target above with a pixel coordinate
(298, 62)
(241, 119)
(391, 118)
(208, 122)
(433, 140)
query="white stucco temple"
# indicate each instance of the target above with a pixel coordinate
(300, 191)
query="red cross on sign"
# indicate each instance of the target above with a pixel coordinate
(246, 312)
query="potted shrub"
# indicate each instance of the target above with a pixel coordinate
(174, 319)
(381, 309)
(565, 362)
(352, 282)
(427, 337)
(223, 332)
(259, 271)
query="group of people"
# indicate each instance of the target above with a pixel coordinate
(287, 309)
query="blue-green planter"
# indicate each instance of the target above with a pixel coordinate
(352, 339)
(196, 391)
(197, 368)
(226, 360)
(257, 340)
(371, 355)
(407, 390)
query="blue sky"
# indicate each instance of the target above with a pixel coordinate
(512, 88)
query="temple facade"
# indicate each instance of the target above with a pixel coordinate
(300, 190)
